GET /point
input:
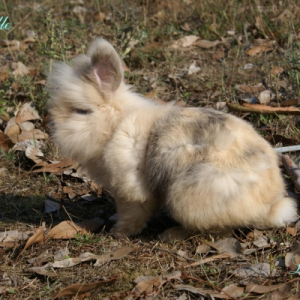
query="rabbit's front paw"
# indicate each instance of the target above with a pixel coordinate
(126, 230)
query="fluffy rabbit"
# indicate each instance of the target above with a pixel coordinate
(211, 170)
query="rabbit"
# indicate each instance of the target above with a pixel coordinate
(209, 169)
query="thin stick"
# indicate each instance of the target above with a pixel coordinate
(263, 109)
(207, 260)
(287, 149)
(292, 170)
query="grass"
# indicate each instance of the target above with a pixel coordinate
(142, 35)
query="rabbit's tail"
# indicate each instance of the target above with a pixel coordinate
(282, 212)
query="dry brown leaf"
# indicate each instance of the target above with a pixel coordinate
(229, 246)
(12, 128)
(200, 291)
(292, 231)
(234, 291)
(258, 49)
(184, 42)
(27, 112)
(69, 229)
(65, 230)
(219, 55)
(113, 255)
(34, 134)
(69, 191)
(261, 289)
(37, 238)
(207, 44)
(5, 142)
(203, 248)
(21, 70)
(26, 126)
(65, 164)
(3, 74)
(79, 289)
(147, 287)
(250, 89)
(276, 71)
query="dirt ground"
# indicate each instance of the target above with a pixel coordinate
(241, 57)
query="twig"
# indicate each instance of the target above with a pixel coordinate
(287, 149)
(292, 170)
(263, 109)
(208, 283)
(208, 259)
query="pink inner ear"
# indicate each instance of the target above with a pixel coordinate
(103, 71)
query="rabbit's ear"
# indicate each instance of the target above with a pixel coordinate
(107, 65)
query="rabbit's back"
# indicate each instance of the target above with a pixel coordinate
(212, 169)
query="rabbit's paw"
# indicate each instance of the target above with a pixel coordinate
(126, 230)
(174, 233)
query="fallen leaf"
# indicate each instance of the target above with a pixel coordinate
(21, 70)
(206, 44)
(26, 126)
(3, 73)
(79, 289)
(276, 71)
(69, 191)
(150, 286)
(200, 291)
(13, 235)
(229, 246)
(37, 238)
(27, 112)
(5, 142)
(34, 153)
(250, 89)
(292, 231)
(265, 97)
(184, 42)
(113, 255)
(234, 291)
(261, 289)
(61, 253)
(65, 230)
(203, 248)
(12, 128)
(34, 134)
(68, 229)
(261, 242)
(58, 168)
(258, 49)
(261, 269)
(219, 55)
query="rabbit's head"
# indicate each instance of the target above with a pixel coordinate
(81, 105)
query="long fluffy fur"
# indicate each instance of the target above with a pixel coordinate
(211, 170)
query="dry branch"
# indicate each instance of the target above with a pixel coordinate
(292, 170)
(263, 109)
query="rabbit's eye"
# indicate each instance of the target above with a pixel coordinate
(82, 111)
